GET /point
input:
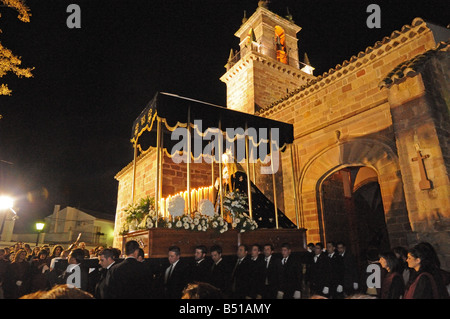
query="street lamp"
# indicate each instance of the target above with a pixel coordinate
(7, 202)
(39, 226)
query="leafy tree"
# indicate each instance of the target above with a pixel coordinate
(8, 61)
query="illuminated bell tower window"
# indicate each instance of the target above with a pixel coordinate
(280, 45)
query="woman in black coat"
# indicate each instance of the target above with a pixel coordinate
(18, 276)
(392, 286)
(426, 281)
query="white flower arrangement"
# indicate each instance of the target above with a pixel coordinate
(218, 224)
(203, 220)
(235, 202)
(206, 207)
(176, 206)
(242, 222)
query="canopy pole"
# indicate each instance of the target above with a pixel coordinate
(220, 170)
(188, 163)
(212, 166)
(249, 185)
(133, 187)
(254, 171)
(161, 156)
(274, 186)
(294, 183)
(158, 167)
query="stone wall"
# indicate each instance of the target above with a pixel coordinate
(344, 119)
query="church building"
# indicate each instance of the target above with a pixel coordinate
(371, 153)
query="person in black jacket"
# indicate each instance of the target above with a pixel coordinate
(176, 275)
(241, 275)
(201, 266)
(350, 281)
(257, 272)
(392, 286)
(106, 261)
(291, 276)
(128, 279)
(426, 281)
(76, 273)
(337, 271)
(220, 271)
(320, 272)
(272, 273)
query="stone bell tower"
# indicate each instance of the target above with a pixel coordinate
(266, 67)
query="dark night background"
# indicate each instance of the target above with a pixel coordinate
(67, 129)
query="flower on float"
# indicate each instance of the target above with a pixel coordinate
(206, 207)
(176, 206)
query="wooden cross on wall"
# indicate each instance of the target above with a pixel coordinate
(424, 183)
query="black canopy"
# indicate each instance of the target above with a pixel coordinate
(176, 111)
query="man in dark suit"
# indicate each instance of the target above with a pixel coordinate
(291, 275)
(320, 271)
(76, 273)
(337, 271)
(272, 272)
(220, 271)
(106, 261)
(350, 281)
(241, 275)
(200, 268)
(176, 275)
(257, 271)
(130, 278)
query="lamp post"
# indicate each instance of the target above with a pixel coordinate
(39, 226)
(7, 202)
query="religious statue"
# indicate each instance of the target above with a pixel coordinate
(234, 178)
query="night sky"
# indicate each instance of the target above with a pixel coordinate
(66, 131)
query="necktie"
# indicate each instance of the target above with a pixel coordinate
(235, 266)
(169, 272)
(284, 261)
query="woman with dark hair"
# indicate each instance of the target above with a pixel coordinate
(56, 251)
(392, 286)
(402, 255)
(39, 268)
(425, 279)
(18, 276)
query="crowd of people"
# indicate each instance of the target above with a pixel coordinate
(255, 272)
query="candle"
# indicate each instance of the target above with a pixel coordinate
(185, 196)
(167, 205)
(161, 207)
(193, 198)
(211, 194)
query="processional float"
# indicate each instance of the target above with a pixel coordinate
(192, 131)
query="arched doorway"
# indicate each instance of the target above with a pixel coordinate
(352, 210)
(360, 153)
